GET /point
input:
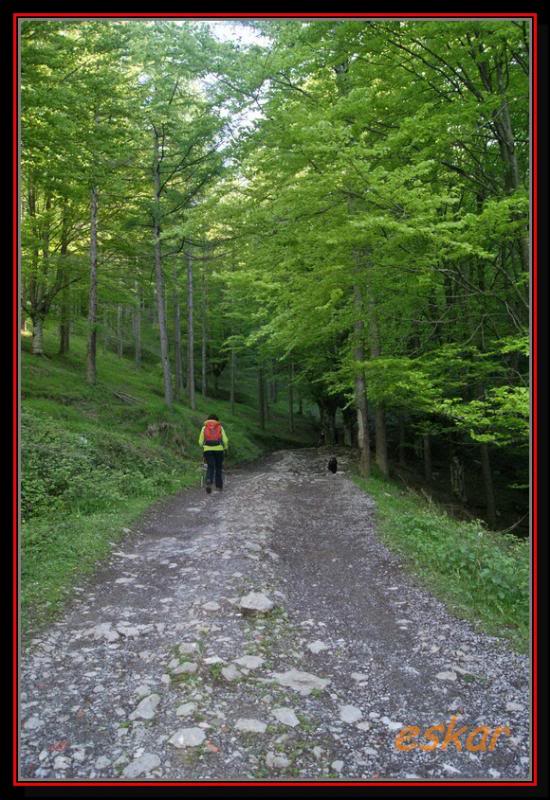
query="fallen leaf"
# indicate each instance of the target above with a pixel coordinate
(59, 746)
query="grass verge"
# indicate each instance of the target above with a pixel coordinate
(481, 575)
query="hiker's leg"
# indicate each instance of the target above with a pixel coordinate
(211, 463)
(219, 463)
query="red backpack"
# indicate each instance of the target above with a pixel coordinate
(212, 432)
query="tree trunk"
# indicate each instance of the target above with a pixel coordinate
(360, 385)
(331, 421)
(503, 125)
(267, 414)
(427, 456)
(177, 335)
(119, 336)
(456, 468)
(488, 484)
(137, 327)
(380, 418)
(343, 84)
(300, 406)
(322, 422)
(348, 427)
(64, 325)
(91, 372)
(161, 308)
(381, 441)
(291, 397)
(41, 304)
(232, 380)
(37, 343)
(204, 342)
(34, 289)
(23, 306)
(402, 444)
(105, 330)
(261, 397)
(190, 335)
(273, 383)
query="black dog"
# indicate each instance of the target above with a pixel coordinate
(332, 464)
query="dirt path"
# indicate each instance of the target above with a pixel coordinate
(155, 672)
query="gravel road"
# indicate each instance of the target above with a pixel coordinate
(266, 633)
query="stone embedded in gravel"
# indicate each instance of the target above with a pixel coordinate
(250, 662)
(141, 765)
(337, 766)
(231, 673)
(213, 660)
(61, 762)
(33, 723)
(317, 646)
(350, 713)
(276, 761)
(363, 726)
(102, 762)
(212, 606)
(359, 676)
(302, 682)
(514, 707)
(104, 631)
(250, 725)
(187, 648)
(186, 709)
(256, 602)
(286, 716)
(147, 707)
(187, 667)
(187, 737)
(446, 676)
(393, 726)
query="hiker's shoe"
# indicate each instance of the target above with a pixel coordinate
(208, 488)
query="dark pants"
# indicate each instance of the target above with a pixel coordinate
(214, 460)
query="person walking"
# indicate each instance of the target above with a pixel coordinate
(214, 442)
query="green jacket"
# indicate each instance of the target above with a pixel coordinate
(206, 447)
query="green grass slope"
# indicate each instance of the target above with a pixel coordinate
(480, 574)
(93, 458)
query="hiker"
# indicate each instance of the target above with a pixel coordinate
(214, 442)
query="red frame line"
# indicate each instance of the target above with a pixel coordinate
(534, 395)
(533, 16)
(251, 15)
